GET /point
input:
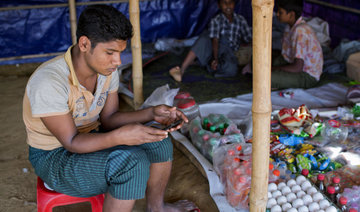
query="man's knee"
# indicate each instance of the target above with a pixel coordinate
(160, 151)
(132, 160)
(228, 69)
(128, 173)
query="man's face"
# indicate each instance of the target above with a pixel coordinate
(105, 57)
(283, 16)
(227, 7)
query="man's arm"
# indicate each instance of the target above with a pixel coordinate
(112, 118)
(64, 129)
(296, 67)
(215, 51)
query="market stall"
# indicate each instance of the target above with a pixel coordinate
(308, 147)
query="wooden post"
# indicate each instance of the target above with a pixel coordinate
(137, 74)
(261, 107)
(72, 10)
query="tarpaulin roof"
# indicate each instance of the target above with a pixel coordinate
(47, 30)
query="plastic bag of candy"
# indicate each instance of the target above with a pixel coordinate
(213, 131)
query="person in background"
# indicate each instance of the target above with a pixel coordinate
(79, 143)
(301, 60)
(216, 49)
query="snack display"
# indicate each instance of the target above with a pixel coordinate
(307, 153)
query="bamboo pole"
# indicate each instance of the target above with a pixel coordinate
(72, 10)
(261, 107)
(137, 74)
(30, 56)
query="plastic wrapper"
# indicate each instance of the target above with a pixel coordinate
(334, 131)
(232, 162)
(333, 151)
(317, 141)
(298, 122)
(291, 140)
(353, 196)
(290, 117)
(356, 110)
(304, 156)
(213, 131)
(161, 95)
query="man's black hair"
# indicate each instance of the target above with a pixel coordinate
(292, 5)
(103, 23)
(218, 1)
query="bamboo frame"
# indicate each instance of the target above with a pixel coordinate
(261, 107)
(338, 7)
(137, 74)
(61, 5)
(72, 11)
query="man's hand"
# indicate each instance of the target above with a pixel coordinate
(137, 134)
(214, 64)
(166, 115)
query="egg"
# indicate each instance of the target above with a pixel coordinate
(303, 209)
(290, 197)
(314, 207)
(272, 187)
(300, 179)
(300, 194)
(286, 206)
(269, 195)
(317, 197)
(291, 183)
(276, 208)
(292, 210)
(296, 188)
(311, 190)
(305, 185)
(285, 190)
(331, 209)
(324, 204)
(307, 199)
(271, 202)
(276, 194)
(281, 200)
(281, 185)
(297, 203)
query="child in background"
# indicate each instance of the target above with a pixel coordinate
(301, 61)
(216, 48)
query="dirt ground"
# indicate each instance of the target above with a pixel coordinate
(17, 177)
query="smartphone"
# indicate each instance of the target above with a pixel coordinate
(157, 125)
(172, 125)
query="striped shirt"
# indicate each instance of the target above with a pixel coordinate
(236, 32)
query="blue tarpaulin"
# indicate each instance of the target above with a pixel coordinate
(47, 30)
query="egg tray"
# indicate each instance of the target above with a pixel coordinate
(318, 190)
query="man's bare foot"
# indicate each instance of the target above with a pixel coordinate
(176, 73)
(181, 206)
(246, 69)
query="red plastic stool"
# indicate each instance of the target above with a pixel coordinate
(47, 199)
